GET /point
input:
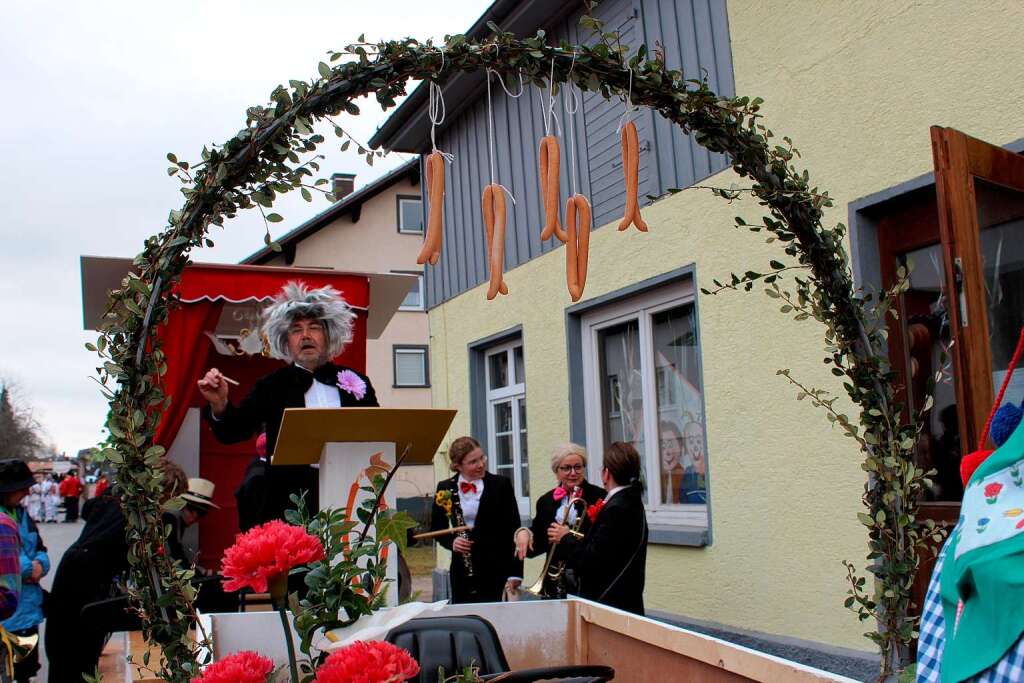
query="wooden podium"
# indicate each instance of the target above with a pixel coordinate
(349, 444)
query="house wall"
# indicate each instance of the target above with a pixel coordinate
(373, 244)
(856, 87)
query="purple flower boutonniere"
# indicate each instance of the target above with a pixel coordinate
(352, 383)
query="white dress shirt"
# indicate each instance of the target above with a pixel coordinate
(613, 492)
(320, 395)
(470, 500)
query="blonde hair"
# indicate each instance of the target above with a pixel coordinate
(563, 451)
(460, 448)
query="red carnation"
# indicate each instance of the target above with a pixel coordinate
(594, 510)
(241, 667)
(992, 491)
(370, 662)
(266, 551)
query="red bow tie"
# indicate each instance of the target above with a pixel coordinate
(467, 486)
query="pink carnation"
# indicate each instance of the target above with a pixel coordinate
(370, 662)
(266, 551)
(352, 383)
(241, 667)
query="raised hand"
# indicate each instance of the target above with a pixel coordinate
(214, 388)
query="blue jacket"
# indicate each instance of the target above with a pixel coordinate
(30, 603)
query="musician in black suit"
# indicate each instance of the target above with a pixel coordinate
(306, 328)
(569, 463)
(610, 560)
(483, 561)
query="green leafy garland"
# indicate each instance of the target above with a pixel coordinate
(264, 160)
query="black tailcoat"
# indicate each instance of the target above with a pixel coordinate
(547, 509)
(264, 408)
(611, 559)
(493, 537)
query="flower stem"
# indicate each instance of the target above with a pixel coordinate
(292, 665)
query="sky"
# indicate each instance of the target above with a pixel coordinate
(95, 94)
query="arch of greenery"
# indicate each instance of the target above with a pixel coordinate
(265, 159)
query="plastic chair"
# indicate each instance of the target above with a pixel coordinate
(453, 643)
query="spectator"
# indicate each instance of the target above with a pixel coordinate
(102, 484)
(15, 481)
(71, 489)
(51, 498)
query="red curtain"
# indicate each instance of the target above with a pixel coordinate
(186, 349)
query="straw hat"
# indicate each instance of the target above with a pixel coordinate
(200, 492)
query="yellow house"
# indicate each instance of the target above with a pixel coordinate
(750, 549)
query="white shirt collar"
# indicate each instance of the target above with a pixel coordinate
(613, 492)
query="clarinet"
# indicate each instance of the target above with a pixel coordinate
(467, 560)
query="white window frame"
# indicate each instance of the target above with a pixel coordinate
(516, 393)
(401, 228)
(641, 308)
(419, 279)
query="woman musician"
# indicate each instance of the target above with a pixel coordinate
(483, 559)
(569, 463)
(610, 560)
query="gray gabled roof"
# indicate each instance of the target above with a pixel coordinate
(408, 130)
(336, 210)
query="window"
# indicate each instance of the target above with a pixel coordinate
(410, 215)
(642, 384)
(411, 366)
(413, 301)
(506, 417)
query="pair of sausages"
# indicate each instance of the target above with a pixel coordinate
(495, 218)
(631, 169)
(577, 248)
(550, 162)
(431, 250)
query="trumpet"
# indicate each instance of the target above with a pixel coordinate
(556, 571)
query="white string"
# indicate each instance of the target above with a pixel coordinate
(436, 112)
(490, 136)
(548, 113)
(571, 96)
(628, 109)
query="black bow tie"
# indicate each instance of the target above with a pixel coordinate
(325, 374)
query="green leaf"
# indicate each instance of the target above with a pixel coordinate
(393, 527)
(325, 71)
(274, 217)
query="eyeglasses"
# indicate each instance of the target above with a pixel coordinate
(570, 468)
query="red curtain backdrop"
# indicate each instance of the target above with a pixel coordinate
(186, 349)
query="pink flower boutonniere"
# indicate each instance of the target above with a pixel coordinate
(559, 493)
(352, 383)
(594, 510)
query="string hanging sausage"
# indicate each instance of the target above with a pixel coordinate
(495, 216)
(550, 160)
(577, 248)
(631, 169)
(434, 177)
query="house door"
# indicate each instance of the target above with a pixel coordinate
(963, 241)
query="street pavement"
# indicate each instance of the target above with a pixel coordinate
(57, 538)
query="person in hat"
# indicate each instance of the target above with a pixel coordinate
(306, 328)
(198, 501)
(33, 562)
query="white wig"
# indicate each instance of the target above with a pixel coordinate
(298, 302)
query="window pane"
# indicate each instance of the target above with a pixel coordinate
(520, 377)
(503, 457)
(1001, 219)
(410, 367)
(622, 407)
(524, 464)
(498, 370)
(410, 215)
(925, 328)
(414, 298)
(683, 465)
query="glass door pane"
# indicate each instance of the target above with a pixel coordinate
(504, 460)
(682, 462)
(524, 463)
(622, 403)
(1001, 224)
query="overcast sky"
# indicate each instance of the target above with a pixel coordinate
(95, 93)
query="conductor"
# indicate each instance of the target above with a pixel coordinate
(305, 328)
